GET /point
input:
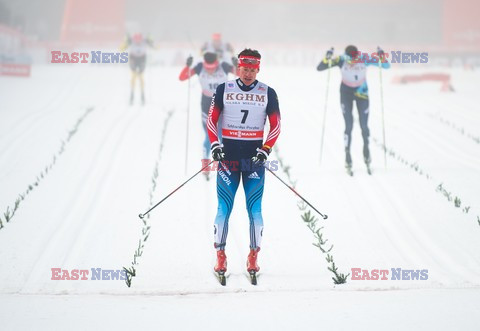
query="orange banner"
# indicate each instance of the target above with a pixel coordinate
(93, 22)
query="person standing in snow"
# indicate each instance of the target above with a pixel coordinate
(137, 46)
(211, 73)
(354, 88)
(223, 49)
(244, 103)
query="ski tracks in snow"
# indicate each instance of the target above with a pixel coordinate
(379, 238)
(95, 177)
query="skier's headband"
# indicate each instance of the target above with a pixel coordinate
(249, 62)
(210, 66)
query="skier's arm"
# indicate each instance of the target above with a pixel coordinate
(151, 43)
(216, 108)
(273, 112)
(188, 72)
(126, 42)
(381, 59)
(228, 68)
(385, 63)
(324, 64)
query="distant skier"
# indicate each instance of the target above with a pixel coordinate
(354, 88)
(223, 49)
(137, 58)
(211, 73)
(244, 104)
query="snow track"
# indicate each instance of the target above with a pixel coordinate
(85, 214)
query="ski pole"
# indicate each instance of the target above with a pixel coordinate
(293, 190)
(175, 190)
(383, 112)
(188, 121)
(325, 109)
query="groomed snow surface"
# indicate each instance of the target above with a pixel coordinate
(83, 212)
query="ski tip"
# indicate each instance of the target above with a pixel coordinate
(253, 279)
(141, 216)
(222, 279)
(349, 170)
(325, 217)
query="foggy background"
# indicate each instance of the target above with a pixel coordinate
(440, 25)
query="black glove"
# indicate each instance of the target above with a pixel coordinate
(329, 54)
(261, 157)
(189, 61)
(235, 61)
(217, 151)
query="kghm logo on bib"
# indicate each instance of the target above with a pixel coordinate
(245, 97)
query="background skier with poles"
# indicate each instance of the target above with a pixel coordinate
(211, 73)
(354, 88)
(224, 50)
(137, 46)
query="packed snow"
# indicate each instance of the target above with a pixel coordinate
(83, 212)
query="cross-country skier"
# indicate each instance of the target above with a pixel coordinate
(223, 49)
(211, 73)
(244, 104)
(354, 88)
(137, 57)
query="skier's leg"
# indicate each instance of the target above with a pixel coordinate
(253, 183)
(133, 69)
(142, 82)
(142, 91)
(363, 111)
(132, 85)
(141, 68)
(346, 101)
(133, 80)
(227, 184)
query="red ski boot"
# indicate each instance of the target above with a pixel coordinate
(221, 262)
(252, 260)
